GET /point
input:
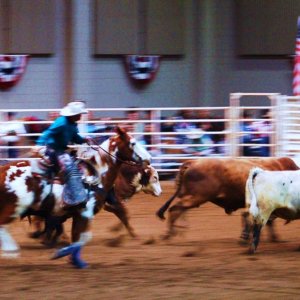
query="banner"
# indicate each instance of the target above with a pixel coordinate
(296, 72)
(142, 68)
(12, 67)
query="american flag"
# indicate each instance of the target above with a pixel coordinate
(296, 73)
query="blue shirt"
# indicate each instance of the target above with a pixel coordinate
(60, 134)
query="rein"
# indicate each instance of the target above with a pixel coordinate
(112, 155)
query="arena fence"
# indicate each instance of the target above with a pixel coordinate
(175, 134)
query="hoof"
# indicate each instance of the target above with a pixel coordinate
(245, 237)
(251, 250)
(116, 228)
(160, 215)
(36, 234)
(133, 235)
(166, 236)
(48, 244)
(274, 239)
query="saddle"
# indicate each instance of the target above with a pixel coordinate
(51, 173)
(80, 172)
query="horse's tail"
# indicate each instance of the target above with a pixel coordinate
(182, 170)
(251, 199)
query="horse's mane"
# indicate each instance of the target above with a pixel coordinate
(92, 171)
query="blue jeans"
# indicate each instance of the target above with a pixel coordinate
(74, 192)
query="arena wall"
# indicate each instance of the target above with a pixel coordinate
(205, 76)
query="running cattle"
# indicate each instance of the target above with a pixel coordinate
(271, 194)
(216, 180)
(130, 180)
(133, 178)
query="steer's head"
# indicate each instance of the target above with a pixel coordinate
(150, 181)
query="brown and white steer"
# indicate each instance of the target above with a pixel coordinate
(221, 181)
(271, 194)
(130, 180)
(133, 178)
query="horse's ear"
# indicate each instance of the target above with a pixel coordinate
(119, 130)
(145, 163)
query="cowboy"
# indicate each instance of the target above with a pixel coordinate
(63, 132)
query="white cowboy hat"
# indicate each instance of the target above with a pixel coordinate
(73, 109)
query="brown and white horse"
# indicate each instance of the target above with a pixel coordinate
(131, 179)
(23, 187)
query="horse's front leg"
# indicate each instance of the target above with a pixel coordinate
(80, 236)
(38, 225)
(120, 211)
(53, 229)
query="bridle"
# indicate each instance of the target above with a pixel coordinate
(97, 147)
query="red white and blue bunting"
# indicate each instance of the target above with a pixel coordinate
(142, 68)
(12, 67)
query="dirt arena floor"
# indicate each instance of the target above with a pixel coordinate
(205, 261)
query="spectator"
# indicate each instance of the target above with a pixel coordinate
(218, 138)
(185, 125)
(52, 115)
(247, 128)
(134, 115)
(34, 128)
(263, 137)
(255, 136)
(203, 137)
(148, 127)
(10, 134)
(168, 125)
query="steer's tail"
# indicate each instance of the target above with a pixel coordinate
(182, 170)
(160, 213)
(251, 200)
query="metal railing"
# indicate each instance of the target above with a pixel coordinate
(172, 138)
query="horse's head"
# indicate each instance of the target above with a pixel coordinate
(117, 149)
(126, 148)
